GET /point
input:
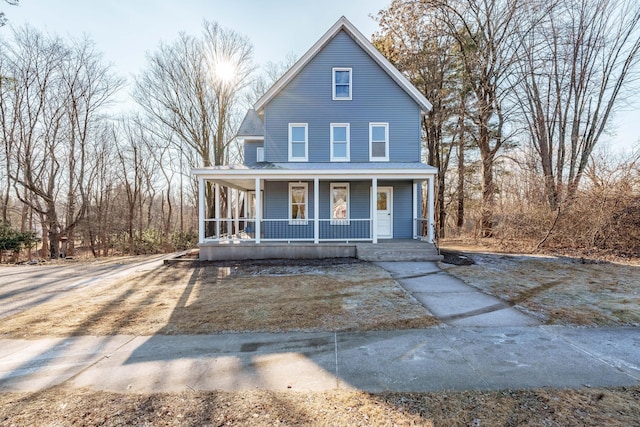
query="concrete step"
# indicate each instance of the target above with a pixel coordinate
(419, 251)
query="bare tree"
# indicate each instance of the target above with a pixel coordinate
(57, 94)
(484, 34)
(192, 87)
(577, 67)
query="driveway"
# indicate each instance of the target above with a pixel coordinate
(26, 286)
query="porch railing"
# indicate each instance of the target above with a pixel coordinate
(286, 230)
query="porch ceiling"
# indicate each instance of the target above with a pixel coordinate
(243, 177)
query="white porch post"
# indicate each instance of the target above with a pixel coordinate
(201, 210)
(430, 209)
(217, 216)
(374, 210)
(415, 209)
(236, 208)
(229, 212)
(258, 210)
(316, 210)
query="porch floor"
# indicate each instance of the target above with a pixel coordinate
(384, 250)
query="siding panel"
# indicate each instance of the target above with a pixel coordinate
(376, 98)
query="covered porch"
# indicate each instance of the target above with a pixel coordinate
(313, 204)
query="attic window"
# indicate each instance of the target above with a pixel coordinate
(341, 84)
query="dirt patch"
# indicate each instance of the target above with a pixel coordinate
(548, 407)
(202, 298)
(456, 258)
(559, 290)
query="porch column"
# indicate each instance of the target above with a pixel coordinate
(316, 210)
(430, 209)
(201, 210)
(414, 187)
(236, 209)
(229, 230)
(374, 210)
(217, 216)
(258, 210)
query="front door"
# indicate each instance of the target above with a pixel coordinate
(384, 212)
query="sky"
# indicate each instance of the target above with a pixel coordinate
(125, 30)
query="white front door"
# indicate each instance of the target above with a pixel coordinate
(384, 212)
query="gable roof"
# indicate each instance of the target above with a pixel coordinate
(251, 125)
(343, 24)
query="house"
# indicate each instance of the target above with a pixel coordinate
(332, 153)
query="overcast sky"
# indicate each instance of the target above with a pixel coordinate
(126, 29)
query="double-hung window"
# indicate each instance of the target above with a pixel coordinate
(378, 142)
(339, 203)
(298, 197)
(341, 84)
(339, 142)
(298, 142)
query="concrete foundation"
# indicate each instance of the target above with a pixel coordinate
(391, 250)
(239, 251)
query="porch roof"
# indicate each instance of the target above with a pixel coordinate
(243, 176)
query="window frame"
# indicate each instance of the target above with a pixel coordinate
(306, 142)
(339, 221)
(305, 220)
(347, 142)
(334, 95)
(373, 158)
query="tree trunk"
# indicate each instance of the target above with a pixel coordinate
(488, 197)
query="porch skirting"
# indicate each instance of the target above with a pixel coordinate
(398, 250)
(220, 251)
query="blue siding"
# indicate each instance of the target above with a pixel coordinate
(376, 98)
(276, 205)
(250, 149)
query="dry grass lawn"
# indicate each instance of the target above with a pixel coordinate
(202, 298)
(542, 407)
(559, 290)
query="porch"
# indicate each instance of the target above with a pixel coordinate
(325, 212)
(384, 250)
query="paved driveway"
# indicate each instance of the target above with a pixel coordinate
(26, 286)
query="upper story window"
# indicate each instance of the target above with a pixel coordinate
(378, 142)
(298, 146)
(340, 142)
(341, 84)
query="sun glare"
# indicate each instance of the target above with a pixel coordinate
(225, 71)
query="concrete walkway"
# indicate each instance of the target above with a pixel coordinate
(483, 344)
(442, 358)
(452, 301)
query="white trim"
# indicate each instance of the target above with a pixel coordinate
(258, 222)
(348, 142)
(316, 210)
(259, 154)
(430, 207)
(414, 201)
(333, 84)
(301, 221)
(372, 209)
(339, 221)
(306, 142)
(344, 24)
(387, 145)
(229, 174)
(201, 210)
